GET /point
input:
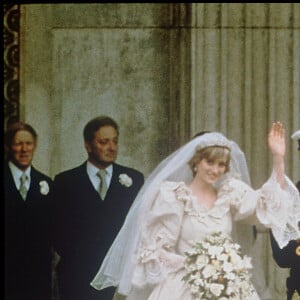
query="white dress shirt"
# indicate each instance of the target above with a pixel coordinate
(92, 173)
(17, 173)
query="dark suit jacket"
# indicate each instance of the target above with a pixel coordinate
(27, 240)
(85, 226)
(287, 258)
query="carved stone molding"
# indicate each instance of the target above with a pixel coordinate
(11, 30)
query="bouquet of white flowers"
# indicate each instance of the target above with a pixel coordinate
(215, 269)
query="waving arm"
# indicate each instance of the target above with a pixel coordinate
(276, 142)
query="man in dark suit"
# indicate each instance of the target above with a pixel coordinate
(86, 220)
(289, 256)
(27, 241)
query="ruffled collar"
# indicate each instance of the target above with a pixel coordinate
(184, 193)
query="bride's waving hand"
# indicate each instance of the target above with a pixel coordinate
(276, 142)
(276, 139)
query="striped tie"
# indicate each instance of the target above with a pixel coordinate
(102, 186)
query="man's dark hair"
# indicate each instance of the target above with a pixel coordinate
(93, 125)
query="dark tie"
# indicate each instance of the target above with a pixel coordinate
(102, 186)
(23, 188)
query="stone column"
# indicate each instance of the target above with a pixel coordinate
(245, 75)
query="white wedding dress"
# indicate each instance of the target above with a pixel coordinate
(177, 220)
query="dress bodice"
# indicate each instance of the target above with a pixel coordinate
(197, 220)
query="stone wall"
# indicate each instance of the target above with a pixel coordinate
(164, 72)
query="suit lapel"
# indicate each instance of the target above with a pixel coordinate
(84, 183)
(33, 188)
(11, 190)
(114, 183)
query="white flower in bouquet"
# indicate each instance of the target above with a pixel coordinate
(215, 269)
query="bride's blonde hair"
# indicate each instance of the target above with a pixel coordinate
(210, 153)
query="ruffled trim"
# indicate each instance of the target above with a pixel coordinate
(232, 194)
(157, 258)
(272, 206)
(239, 197)
(192, 208)
(278, 209)
(156, 262)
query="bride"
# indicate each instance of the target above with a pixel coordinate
(200, 189)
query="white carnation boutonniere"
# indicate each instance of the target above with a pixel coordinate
(44, 187)
(124, 179)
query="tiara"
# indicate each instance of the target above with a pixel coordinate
(213, 139)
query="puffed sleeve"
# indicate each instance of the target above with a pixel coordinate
(156, 255)
(272, 206)
(278, 209)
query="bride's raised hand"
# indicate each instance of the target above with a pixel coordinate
(276, 139)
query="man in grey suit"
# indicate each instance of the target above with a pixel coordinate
(27, 240)
(86, 218)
